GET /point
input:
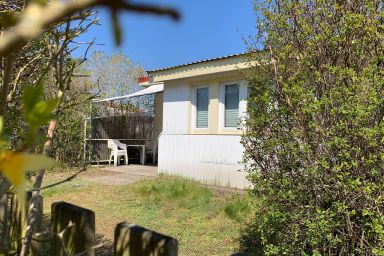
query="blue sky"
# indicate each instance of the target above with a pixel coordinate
(207, 29)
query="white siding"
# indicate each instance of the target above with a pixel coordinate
(176, 108)
(211, 159)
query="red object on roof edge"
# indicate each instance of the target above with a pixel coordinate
(143, 79)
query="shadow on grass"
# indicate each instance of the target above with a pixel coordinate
(240, 208)
(250, 243)
(106, 246)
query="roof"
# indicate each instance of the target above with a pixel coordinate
(200, 61)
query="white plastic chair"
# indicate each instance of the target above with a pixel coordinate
(118, 149)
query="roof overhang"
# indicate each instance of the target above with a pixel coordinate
(153, 88)
(205, 67)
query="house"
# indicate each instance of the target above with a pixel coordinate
(202, 104)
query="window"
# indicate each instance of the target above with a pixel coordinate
(202, 102)
(231, 106)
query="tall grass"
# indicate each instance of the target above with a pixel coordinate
(182, 192)
(238, 207)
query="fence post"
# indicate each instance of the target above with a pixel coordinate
(4, 223)
(73, 229)
(134, 240)
(15, 224)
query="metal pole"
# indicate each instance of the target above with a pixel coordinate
(90, 128)
(85, 140)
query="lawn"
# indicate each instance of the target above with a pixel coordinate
(205, 220)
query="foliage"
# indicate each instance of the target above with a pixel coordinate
(14, 165)
(44, 32)
(37, 112)
(116, 75)
(69, 137)
(314, 142)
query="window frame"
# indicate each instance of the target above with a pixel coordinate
(194, 108)
(242, 84)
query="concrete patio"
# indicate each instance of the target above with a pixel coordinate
(123, 174)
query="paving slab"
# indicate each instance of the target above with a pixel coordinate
(124, 174)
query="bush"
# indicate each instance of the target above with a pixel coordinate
(315, 133)
(68, 145)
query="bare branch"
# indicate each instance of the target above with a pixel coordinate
(32, 216)
(6, 82)
(20, 72)
(35, 18)
(70, 178)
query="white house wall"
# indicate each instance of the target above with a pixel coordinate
(211, 159)
(176, 108)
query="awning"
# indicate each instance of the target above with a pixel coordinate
(154, 88)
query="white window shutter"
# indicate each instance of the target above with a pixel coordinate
(231, 105)
(202, 102)
(243, 99)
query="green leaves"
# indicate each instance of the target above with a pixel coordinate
(3, 138)
(36, 110)
(40, 2)
(315, 136)
(8, 19)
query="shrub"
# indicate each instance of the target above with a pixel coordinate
(315, 133)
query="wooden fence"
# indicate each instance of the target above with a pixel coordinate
(131, 128)
(72, 232)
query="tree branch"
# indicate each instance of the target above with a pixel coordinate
(62, 181)
(35, 194)
(6, 82)
(36, 18)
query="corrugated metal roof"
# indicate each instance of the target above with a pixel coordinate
(200, 61)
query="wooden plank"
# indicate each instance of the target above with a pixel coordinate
(4, 223)
(134, 240)
(73, 228)
(16, 224)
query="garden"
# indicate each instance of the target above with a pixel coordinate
(312, 142)
(205, 219)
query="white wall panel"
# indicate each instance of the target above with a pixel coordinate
(176, 108)
(211, 159)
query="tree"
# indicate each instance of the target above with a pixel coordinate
(314, 141)
(67, 148)
(116, 75)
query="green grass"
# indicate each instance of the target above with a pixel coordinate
(238, 207)
(182, 192)
(205, 221)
